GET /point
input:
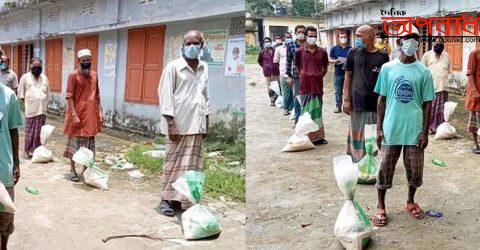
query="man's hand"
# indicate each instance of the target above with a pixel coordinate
(16, 174)
(423, 140)
(290, 82)
(380, 138)
(347, 107)
(173, 133)
(76, 121)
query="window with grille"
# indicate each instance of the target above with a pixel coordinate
(369, 10)
(237, 26)
(403, 4)
(6, 27)
(54, 16)
(26, 24)
(88, 8)
(423, 2)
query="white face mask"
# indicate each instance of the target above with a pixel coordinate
(301, 36)
(343, 40)
(278, 41)
(409, 47)
(311, 40)
(268, 44)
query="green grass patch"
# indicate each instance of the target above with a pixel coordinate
(252, 59)
(135, 155)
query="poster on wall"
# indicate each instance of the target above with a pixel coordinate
(110, 59)
(213, 51)
(68, 57)
(235, 61)
(174, 43)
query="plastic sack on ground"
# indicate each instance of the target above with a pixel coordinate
(292, 115)
(300, 141)
(6, 203)
(42, 154)
(368, 166)
(275, 87)
(198, 222)
(279, 102)
(446, 130)
(352, 227)
(93, 176)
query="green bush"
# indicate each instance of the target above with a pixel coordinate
(252, 50)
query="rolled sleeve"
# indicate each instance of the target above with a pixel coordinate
(15, 116)
(380, 87)
(165, 91)
(428, 93)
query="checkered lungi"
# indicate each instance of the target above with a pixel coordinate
(33, 127)
(438, 106)
(474, 122)
(180, 157)
(75, 143)
(356, 133)
(413, 159)
(6, 219)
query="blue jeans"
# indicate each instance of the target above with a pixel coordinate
(296, 103)
(287, 94)
(338, 85)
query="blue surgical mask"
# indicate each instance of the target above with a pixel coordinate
(359, 43)
(3, 66)
(409, 47)
(192, 51)
(289, 40)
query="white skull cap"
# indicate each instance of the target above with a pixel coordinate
(84, 52)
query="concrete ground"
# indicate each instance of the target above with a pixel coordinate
(76, 216)
(293, 199)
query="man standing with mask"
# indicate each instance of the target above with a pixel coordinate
(312, 64)
(271, 70)
(404, 107)
(359, 99)
(185, 109)
(278, 41)
(293, 80)
(472, 99)
(281, 59)
(381, 42)
(83, 114)
(338, 56)
(34, 90)
(439, 63)
(7, 76)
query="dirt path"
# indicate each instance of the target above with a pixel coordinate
(76, 216)
(288, 190)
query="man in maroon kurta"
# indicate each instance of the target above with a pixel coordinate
(83, 116)
(271, 70)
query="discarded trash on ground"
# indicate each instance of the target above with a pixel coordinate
(198, 222)
(117, 162)
(93, 176)
(155, 153)
(446, 130)
(369, 165)
(32, 190)
(352, 227)
(42, 154)
(300, 141)
(438, 162)
(136, 174)
(433, 213)
(6, 202)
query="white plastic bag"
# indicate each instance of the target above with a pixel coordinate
(96, 177)
(42, 155)
(299, 141)
(369, 165)
(45, 133)
(292, 115)
(198, 222)
(352, 227)
(6, 202)
(279, 102)
(275, 87)
(446, 130)
(93, 176)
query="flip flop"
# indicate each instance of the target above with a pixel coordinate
(321, 142)
(166, 209)
(74, 177)
(476, 150)
(379, 219)
(415, 211)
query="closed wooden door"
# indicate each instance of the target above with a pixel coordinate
(53, 63)
(153, 63)
(88, 42)
(135, 65)
(455, 49)
(15, 60)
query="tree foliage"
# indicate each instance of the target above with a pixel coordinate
(306, 7)
(261, 7)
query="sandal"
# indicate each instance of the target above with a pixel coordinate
(74, 177)
(379, 219)
(415, 211)
(321, 142)
(166, 209)
(476, 149)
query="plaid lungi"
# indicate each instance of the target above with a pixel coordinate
(33, 127)
(313, 104)
(474, 122)
(438, 105)
(413, 159)
(6, 219)
(180, 157)
(75, 143)
(356, 136)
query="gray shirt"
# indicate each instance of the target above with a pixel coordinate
(9, 78)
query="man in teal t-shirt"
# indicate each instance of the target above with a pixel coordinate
(406, 90)
(10, 120)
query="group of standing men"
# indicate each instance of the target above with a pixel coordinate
(374, 84)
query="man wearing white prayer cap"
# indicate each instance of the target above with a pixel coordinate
(83, 114)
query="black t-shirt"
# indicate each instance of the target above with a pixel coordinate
(365, 67)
